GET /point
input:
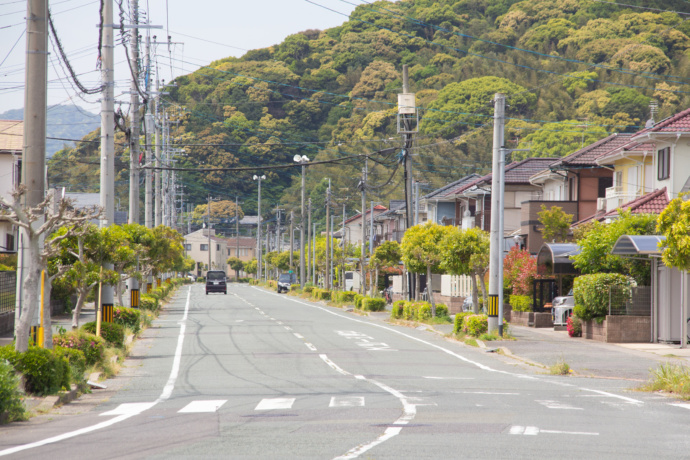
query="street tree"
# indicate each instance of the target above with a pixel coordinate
(674, 224)
(387, 254)
(555, 223)
(421, 250)
(466, 252)
(224, 209)
(236, 264)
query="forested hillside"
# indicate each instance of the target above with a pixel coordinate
(573, 71)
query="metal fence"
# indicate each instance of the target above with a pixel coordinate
(636, 301)
(8, 289)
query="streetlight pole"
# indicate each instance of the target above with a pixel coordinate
(258, 229)
(301, 160)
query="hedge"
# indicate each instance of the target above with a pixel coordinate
(358, 301)
(459, 323)
(308, 288)
(76, 360)
(373, 304)
(113, 333)
(476, 325)
(520, 302)
(92, 346)
(149, 302)
(128, 317)
(346, 296)
(397, 311)
(10, 394)
(45, 371)
(591, 293)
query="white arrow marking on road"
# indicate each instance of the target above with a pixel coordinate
(347, 401)
(130, 409)
(275, 403)
(203, 406)
(557, 405)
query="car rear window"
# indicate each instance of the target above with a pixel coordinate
(284, 278)
(216, 275)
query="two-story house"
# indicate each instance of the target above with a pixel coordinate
(11, 144)
(439, 208)
(244, 248)
(199, 245)
(357, 230)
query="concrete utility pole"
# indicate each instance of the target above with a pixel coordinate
(208, 229)
(327, 283)
(363, 187)
(496, 247)
(371, 230)
(237, 227)
(292, 218)
(302, 160)
(149, 123)
(278, 230)
(160, 116)
(258, 229)
(310, 242)
(107, 196)
(33, 163)
(313, 256)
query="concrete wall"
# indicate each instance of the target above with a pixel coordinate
(530, 319)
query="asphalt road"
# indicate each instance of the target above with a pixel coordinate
(254, 374)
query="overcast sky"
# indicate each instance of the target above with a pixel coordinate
(234, 26)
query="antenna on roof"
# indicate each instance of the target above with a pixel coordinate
(653, 109)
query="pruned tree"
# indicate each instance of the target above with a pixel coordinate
(36, 223)
(387, 254)
(236, 264)
(466, 252)
(555, 222)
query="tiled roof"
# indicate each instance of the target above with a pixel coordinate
(629, 146)
(587, 155)
(245, 241)
(520, 172)
(11, 135)
(378, 207)
(675, 123)
(651, 203)
(454, 184)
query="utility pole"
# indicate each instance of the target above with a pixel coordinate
(408, 121)
(327, 283)
(313, 258)
(258, 228)
(107, 195)
(310, 238)
(208, 229)
(292, 217)
(330, 269)
(149, 123)
(496, 247)
(160, 117)
(278, 230)
(363, 188)
(33, 165)
(237, 227)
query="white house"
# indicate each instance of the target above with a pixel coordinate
(11, 140)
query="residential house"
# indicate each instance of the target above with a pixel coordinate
(390, 225)
(576, 183)
(244, 248)
(11, 144)
(440, 209)
(199, 245)
(354, 233)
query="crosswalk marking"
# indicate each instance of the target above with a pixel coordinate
(347, 401)
(275, 403)
(130, 408)
(203, 406)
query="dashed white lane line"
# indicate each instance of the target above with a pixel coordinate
(310, 346)
(550, 404)
(275, 403)
(299, 336)
(533, 431)
(447, 378)
(682, 405)
(203, 406)
(347, 401)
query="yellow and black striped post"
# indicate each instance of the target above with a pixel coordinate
(149, 288)
(134, 300)
(108, 313)
(493, 306)
(158, 282)
(33, 339)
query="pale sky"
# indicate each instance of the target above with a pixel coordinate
(234, 25)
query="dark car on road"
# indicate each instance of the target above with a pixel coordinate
(285, 280)
(215, 282)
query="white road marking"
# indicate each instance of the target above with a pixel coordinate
(683, 405)
(347, 401)
(486, 393)
(310, 346)
(557, 405)
(299, 336)
(624, 398)
(275, 403)
(203, 406)
(577, 433)
(288, 328)
(533, 431)
(448, 378)
(167, 391)
(333, 365)
(280, 322)
(130, 409)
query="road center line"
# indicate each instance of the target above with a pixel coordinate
(167, 391)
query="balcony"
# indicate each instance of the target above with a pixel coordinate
(616, 196)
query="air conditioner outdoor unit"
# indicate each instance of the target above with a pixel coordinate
(601, 204)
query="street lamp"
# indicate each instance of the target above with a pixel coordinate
(303, 160)
(258, 228)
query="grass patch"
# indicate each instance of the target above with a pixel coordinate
(670, 378)
(471, 341)
(560, 368)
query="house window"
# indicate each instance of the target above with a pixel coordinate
(187, 247)
(9, 242)
(663, 161)
(217, 247)
(203, 247)
(618, 179)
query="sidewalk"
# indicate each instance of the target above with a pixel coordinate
(88, 313)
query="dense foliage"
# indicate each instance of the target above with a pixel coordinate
(572, 70)
(592, 293)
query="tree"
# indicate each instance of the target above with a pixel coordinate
(220, 210)
(251, 267)
(674, 224)
(595, 255)
(556, 223)
(236, 264)
(519, 269)
(466, 252)
(387, 254)
(421, 251)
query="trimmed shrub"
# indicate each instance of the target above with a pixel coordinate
(358, 301)
(308, 288)
(520, 302)
(591, 293)
(398, 307)
(77, 363)
(441, 310)
(409, 312)
(128, 317)
(324, 294)
(92, 346)
(113, 333)
(476, 325)
(148, 302)
(459, 323)
(373, 304)
(295, 287)
(422, 311)
(10, 394)
(347, 296)
(45, 372)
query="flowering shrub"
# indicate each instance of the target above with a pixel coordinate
(476, 325)
(113, 333)
(397, 311)
(128, 317)
(519, 270)
(92, 346)
(574, 326)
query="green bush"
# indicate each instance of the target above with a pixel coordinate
(10, 394)
(324, 294)
(113, 333)
(295, 287)
(128, 317)
(373, 304)
(476, 325)
(200, 279)
(409, 311)
(308, 288)
(459, 323)
(149, 302)
(591, 293)
(92, 346)
(358, 301)
(76, 361)
(45, 371)
(398, 307)
(347, 296)
(520, 302)
(422, 311)
(441, 310)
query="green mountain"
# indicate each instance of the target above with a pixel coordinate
(64, 122)
(572, 71)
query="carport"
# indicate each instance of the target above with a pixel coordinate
(553, 259)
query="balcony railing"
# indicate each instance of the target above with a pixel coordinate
(617, 196)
